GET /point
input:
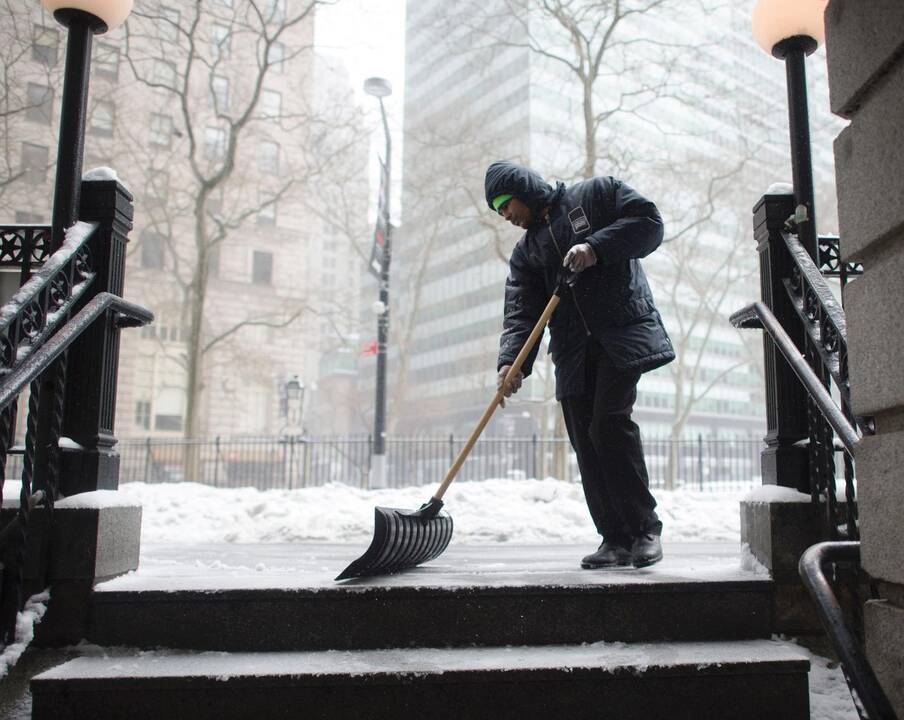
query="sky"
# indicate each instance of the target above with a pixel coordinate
(369, 38)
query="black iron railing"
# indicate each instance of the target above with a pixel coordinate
(816, 564)
(73, 302)
(296, 461)
(809, 409)
(23, 246)
(802, 451)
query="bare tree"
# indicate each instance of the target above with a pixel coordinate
(28, 67)
(191, 59)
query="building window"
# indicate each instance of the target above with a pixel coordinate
(40, 104)
(268, 158)
(28, 218)
(161, 130)
(143, 414)
(156, 187)
(275, 10)
(34, 163)
(262, 268)
(102, 118)
(214, 143)
(213, 261)
(152, 244)
(45, 46)
(220, 41)
(168, 409)
(266, 214)
(271, 103)
(276, 56)
(169, 28)
(106, 60)
(220, 86)
(165, 73)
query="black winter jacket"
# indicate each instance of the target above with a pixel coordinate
(611, 301)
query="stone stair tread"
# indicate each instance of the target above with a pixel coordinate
(312, 569)
(510, 596)
(436, 664)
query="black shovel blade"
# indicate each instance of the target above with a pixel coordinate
(402, 539)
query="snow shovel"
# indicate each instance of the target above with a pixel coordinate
(406, 538)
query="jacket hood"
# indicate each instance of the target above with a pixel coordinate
(522, 182)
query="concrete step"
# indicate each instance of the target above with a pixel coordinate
(741, 680)
(554, 610)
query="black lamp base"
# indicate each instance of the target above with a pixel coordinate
(67, 17)
(796, 42)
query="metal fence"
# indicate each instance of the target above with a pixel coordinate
(300, 461)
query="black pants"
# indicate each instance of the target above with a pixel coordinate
(610, 454)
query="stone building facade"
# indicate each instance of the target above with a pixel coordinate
(865, 45)
(268, 313)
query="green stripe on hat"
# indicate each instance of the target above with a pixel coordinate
(500, 199)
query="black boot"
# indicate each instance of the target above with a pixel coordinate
(610, 554)
(646, 550)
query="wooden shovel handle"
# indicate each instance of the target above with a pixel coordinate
(485, 418)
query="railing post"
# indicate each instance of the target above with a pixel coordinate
(90, 395)
(783, 461)
(147, 457)
(700, 459)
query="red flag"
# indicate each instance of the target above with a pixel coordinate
(369, 348)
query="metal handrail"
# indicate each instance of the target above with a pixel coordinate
(858, 672)
(757, 315)
(129, 315)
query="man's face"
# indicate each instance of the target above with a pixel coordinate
(516, 212)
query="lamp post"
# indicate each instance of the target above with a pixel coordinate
(790, 31)
(295, 403)
(379, 88)
(83, 18)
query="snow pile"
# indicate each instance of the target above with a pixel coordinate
(774, 494)
(26, 620)
(100, 173)
(830, 698)
(490, 511)
(750, 563)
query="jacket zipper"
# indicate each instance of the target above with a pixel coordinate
(562, 258)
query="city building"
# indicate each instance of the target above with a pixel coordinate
(220, 126)
(702, 131)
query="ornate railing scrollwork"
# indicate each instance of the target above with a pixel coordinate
(41, 305)
(830, 264)
(21, 244)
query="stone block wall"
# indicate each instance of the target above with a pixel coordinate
(865, 50)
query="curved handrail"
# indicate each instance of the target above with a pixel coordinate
(857, 668)
(130, 315)
(38, 308)
(758, 315)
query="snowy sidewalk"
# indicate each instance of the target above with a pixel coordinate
(292, 565)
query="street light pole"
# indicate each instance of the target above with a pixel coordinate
(790, 32)
(380, 88)
(83, 20)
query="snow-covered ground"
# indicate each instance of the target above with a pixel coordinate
(492, 511)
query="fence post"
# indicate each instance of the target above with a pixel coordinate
(147, 457)
(700, 459)
(365, 480)
(216, 461)
(535, 446)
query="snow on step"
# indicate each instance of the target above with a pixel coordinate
(751, 656)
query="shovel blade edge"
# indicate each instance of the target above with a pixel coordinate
(402, 539)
